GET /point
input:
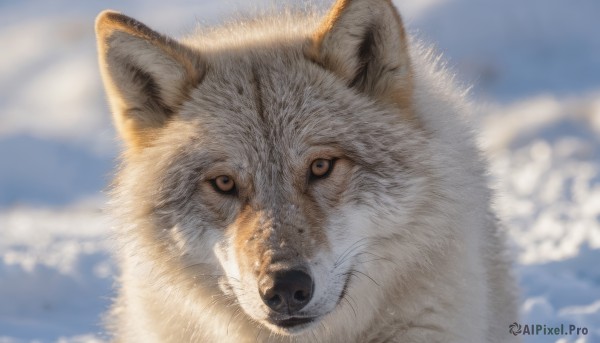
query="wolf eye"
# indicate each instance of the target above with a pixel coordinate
(321, 168)
(224, 184)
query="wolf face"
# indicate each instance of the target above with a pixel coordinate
(265, 170)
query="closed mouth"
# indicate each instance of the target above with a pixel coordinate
(293, 322)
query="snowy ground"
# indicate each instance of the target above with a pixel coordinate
(534, 64)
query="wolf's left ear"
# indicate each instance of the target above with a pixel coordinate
(363, 41)
(146, 75)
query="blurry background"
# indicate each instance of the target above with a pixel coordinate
(535, 67)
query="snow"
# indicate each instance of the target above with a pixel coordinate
(535, 70)
(55, 271)
(548, 179)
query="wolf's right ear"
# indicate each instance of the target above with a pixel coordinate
(146, 75)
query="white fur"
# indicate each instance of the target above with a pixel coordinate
(424, 262)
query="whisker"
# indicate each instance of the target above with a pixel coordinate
(370, 278)
(348, 250)
(349, 304)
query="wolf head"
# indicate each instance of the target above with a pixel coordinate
(271, 160)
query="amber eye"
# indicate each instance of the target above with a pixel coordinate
(224, 184)
(320, 168)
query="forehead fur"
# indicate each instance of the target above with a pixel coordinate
(274, 106)
(262, 105)
(269, 29)
(281, 101)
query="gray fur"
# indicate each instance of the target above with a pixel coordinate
(402, 241)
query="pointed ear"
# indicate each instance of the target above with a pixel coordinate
(146, 75)
(363, 41)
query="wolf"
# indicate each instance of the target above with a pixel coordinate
(298, 178)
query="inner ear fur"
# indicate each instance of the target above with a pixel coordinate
(146, 75)
(364, 43)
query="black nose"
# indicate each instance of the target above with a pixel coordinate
(286, 291)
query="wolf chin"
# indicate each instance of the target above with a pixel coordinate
(293, 178)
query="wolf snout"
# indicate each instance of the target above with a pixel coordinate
(286, 291)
